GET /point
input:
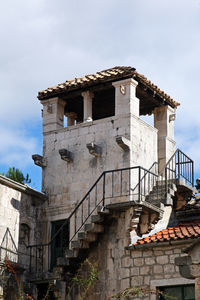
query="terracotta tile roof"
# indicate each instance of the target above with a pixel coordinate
(179, 232)
(109, 75)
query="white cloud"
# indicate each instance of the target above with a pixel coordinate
(16, 148)
(46, 42)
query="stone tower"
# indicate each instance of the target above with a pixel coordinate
(104, 131)
(101, 164)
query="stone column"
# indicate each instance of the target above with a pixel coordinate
(87, 98)
(71, 118)
(53, 114)
(164, 122)
(125, 97)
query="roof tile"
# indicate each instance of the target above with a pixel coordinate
(113, 74)
(179, 232)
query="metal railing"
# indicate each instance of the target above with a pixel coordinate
(8, 254)
(179, 166)
(126, 184)
(114, 186)
(8, 249)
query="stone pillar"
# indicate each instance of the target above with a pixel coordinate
(164, 122)
(87, 98)
(53, 114)
(125, 97)
(71, 118)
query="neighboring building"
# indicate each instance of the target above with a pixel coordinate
(109, 177)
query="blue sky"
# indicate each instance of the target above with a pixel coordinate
(47, 42)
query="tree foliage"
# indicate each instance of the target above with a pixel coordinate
(17, 175)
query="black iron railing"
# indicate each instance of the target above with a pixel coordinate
(113, 186)
(8, 254)
(179, 166)
(126, 184)
(8, 249)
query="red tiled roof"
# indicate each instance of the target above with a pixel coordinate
(179, 232)
(109, 75)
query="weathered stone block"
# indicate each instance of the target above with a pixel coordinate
(138, 262)
(149, 260)
(169, 268)
(135, 271)
(163, 259)
(158, 269)
(172, 258)
(145, 270)
(137, 281)
(127, 262)
(158, 252)
(147, 253)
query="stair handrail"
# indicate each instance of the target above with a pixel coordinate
(41, 246)
(143, 177)
(178, 168)
(68, 218)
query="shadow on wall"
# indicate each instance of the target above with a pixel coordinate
(15, 203)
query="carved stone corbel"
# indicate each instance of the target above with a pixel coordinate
(66, 155)
(123, 143)
(94, 149)
(39, 160)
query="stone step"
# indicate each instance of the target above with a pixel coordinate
(81, 244)
(87, 236)
(92, 227)
(62, 262)
(97, 219)
(171, 192)
(71, 253)
(57, 272)
(102, 210)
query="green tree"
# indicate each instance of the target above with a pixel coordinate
(17, 175)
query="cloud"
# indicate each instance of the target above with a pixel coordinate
(16, 148)
(47, 42)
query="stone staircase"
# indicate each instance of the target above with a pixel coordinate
(162, 194)
(152, 197)
(88, 234)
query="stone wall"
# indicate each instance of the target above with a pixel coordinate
(66, 183)
(20, 212)
(120, 268)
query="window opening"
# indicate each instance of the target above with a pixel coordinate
(182, 292)
(61, 241)
(103, 105)
(65, 121)
(148, 119)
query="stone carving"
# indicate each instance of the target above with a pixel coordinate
(66, 155)
(94, 149)
(123, 143)
(39, 160)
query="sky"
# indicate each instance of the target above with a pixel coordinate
(44, 43)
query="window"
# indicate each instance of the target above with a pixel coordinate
(181, 292)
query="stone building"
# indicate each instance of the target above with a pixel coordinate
(108, 178)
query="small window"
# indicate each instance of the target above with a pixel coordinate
(181, 292)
